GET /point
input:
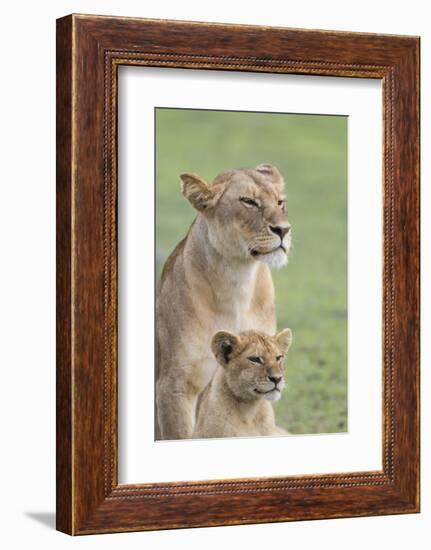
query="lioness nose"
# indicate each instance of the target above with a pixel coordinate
(280, 230)
(275, 379)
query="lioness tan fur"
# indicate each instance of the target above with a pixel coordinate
(216, 278)
(237, 401)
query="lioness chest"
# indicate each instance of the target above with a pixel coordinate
(236, 303)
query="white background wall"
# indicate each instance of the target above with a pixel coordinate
(27, 280)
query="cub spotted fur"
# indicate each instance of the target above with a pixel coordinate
(237, 401)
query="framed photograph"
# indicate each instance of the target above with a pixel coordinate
(237, 274)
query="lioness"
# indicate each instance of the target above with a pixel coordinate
(250, 374)
(217, 277)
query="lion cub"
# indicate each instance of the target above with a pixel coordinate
(237, 401)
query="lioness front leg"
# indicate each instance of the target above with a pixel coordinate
(175, 409)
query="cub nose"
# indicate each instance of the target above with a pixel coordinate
(280, 230)
(275, 379)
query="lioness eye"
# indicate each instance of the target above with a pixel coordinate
(255, 359)
(249, 202)
(282, 203)
(279, 357)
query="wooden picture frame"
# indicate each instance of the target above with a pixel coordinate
(89, 51)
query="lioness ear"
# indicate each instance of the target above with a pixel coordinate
(223, 345)
(200, 195)
(271, 172)
(284, 339)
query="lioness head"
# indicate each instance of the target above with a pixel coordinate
(253, 362)
(245, 211)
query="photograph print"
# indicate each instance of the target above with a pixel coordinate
(251, 274)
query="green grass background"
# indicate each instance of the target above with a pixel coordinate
(311, 292)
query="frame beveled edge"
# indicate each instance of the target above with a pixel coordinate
(89, 499)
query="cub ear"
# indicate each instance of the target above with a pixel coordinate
(223, 345)
(271, 172)
(200, 195)
(284, 339)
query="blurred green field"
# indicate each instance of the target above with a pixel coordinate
(311, 293)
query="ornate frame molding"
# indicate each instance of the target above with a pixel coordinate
(89, 498)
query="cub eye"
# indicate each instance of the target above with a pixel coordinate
(279, 357)
(282, 203)
(249, 202)
(255, 359)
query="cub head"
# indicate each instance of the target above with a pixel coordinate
(245, 211)
(253, 362)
